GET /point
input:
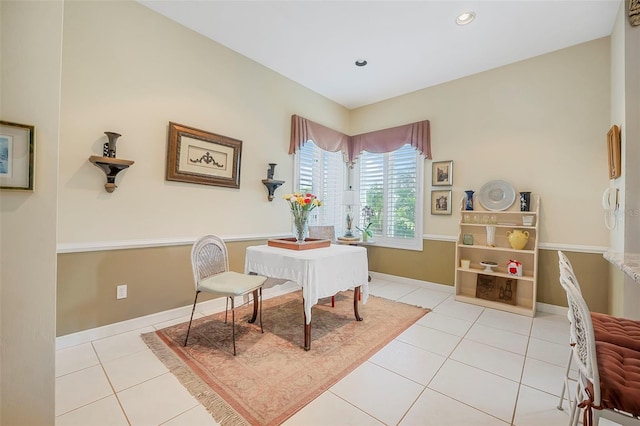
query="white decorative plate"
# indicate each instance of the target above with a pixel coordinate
(497, 195)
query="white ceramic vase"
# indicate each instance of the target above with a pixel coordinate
(491, 235)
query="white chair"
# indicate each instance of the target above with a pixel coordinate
(211, 274)
(607, 328)
(323, 232)
(565, 265)
(608, 386)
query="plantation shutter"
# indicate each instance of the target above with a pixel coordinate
(323, 173)
(389, 183)
(401, 192)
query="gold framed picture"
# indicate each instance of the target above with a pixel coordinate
(17, 152)
(197, 156)
(614, 152)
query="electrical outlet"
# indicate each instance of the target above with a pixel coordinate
(121, 291)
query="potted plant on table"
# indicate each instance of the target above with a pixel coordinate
(368, 212)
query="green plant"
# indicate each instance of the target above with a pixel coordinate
(366, 229)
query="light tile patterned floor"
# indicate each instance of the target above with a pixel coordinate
(459, 365)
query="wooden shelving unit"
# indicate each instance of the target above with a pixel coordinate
(474, 223)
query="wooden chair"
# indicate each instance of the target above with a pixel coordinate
(608, 383)
(211, 274)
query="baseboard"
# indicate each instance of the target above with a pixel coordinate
(551, 309)
(412, 281)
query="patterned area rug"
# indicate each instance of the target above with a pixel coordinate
(272, 376)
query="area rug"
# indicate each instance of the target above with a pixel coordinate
(272, 376)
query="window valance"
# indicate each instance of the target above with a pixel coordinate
(416, 134)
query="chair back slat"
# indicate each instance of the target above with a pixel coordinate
(208, 257)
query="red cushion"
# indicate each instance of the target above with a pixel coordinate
(619, 370)
(619, 331)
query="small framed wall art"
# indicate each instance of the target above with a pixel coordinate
(197, 156)
(442, 173)
(441, 202)
(17, 151)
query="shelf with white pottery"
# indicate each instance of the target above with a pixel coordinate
(501, 253)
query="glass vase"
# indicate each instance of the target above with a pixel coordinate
(301, 225)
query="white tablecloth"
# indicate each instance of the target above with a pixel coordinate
(321, 272)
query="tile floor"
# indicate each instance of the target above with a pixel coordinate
(459, 365)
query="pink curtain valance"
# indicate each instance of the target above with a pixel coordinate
(416, 134)
(303, 130)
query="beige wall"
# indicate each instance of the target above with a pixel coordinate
(539, 124)
(129, 70)
(31, 40)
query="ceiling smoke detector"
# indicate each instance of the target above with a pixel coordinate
(361, 63)
(465, 18)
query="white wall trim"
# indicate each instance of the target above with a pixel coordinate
(436, 237)
(161, 242)
(551, 309)
(183, 241)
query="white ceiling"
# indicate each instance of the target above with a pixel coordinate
(409, 45)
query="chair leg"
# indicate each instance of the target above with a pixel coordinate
(191, 320)
(233, 324)
(333, 301)
(565, 383)
(226, 309)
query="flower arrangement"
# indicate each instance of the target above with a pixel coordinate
(301, 204)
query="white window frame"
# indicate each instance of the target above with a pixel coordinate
(352, 176)
(416, 242)
(329, 213)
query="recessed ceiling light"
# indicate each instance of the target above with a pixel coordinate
(465, 18)
(361, 63)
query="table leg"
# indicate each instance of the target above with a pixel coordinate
(255, 306)
(307, 331)
(356, 297)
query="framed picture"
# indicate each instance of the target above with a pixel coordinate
(497, 289)
(614, 152)
(196, 156)
(441, 202)
(442, 173)
(17, 151)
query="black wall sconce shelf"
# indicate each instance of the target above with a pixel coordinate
(108, 163)
(271, 183)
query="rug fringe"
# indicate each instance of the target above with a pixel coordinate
(222, 412)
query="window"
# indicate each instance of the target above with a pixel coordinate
(391, 187)
(322, 173)
(390, 184)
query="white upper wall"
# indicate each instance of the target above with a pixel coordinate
(129, 70)
(539, 124)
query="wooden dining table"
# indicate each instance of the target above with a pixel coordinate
(320, 272)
